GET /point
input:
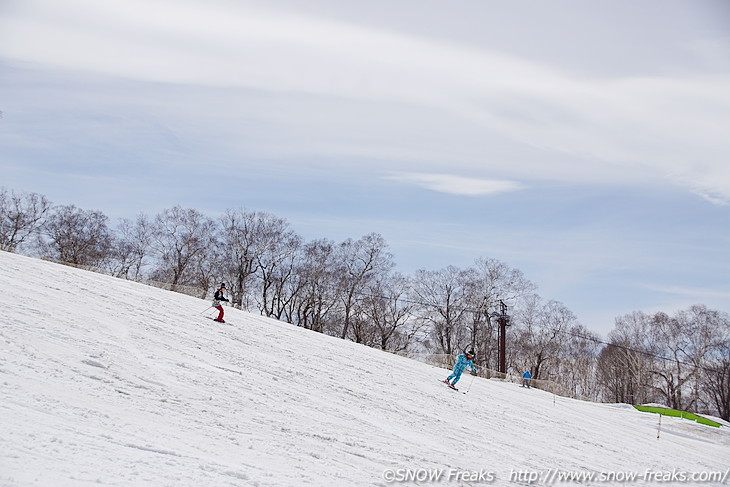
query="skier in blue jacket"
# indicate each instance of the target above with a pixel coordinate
(526, 379)
(462, 361)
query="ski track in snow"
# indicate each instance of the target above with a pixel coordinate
(110, 382)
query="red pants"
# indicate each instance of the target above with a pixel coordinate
(220, 313)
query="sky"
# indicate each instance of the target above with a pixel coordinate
(116, 393)
(584, 144)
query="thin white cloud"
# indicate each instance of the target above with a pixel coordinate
(458, 185)
(670, 299)
(690, 293)
(607, 130)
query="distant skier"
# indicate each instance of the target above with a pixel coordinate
(217, 298)
(526, 379)
(462, 361)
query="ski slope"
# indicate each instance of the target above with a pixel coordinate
(110, 382)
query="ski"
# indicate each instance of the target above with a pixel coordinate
(219, 322)
(451, 387)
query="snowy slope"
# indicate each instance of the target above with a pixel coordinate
(110, 382)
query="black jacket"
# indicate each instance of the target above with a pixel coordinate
(218, 296)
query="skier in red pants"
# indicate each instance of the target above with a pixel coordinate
(217, 298)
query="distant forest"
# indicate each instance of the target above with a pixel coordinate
(351, 290)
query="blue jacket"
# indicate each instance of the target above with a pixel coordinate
(462, 362)
(527, 375)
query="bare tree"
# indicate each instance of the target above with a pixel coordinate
(316, 285)
(491, 282)
(242, 242)
(359, 261)
(677, 359)
(679, 341)
(389, 312)
(717, 378)
(205, 269)
(685, 340)
(576, 368)
(611, 376)
(180, 236)
(132, 247)
(625, 365)
(21, 216)
(543, 336)
(444, 298)
(277, 264)
(715, 366)
(77, 236)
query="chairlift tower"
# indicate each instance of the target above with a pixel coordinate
(504, 321)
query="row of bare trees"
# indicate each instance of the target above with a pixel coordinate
(351, 290)
(682, 360)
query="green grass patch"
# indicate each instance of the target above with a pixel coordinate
(679, 414)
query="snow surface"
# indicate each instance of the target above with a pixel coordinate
(110, 382)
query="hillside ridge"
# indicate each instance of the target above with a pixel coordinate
(117, 383)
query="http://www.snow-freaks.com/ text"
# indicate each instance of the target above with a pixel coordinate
(553, 476)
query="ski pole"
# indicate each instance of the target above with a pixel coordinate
(470, 382)
(206, 309)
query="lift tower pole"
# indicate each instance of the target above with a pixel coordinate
(503, 320)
